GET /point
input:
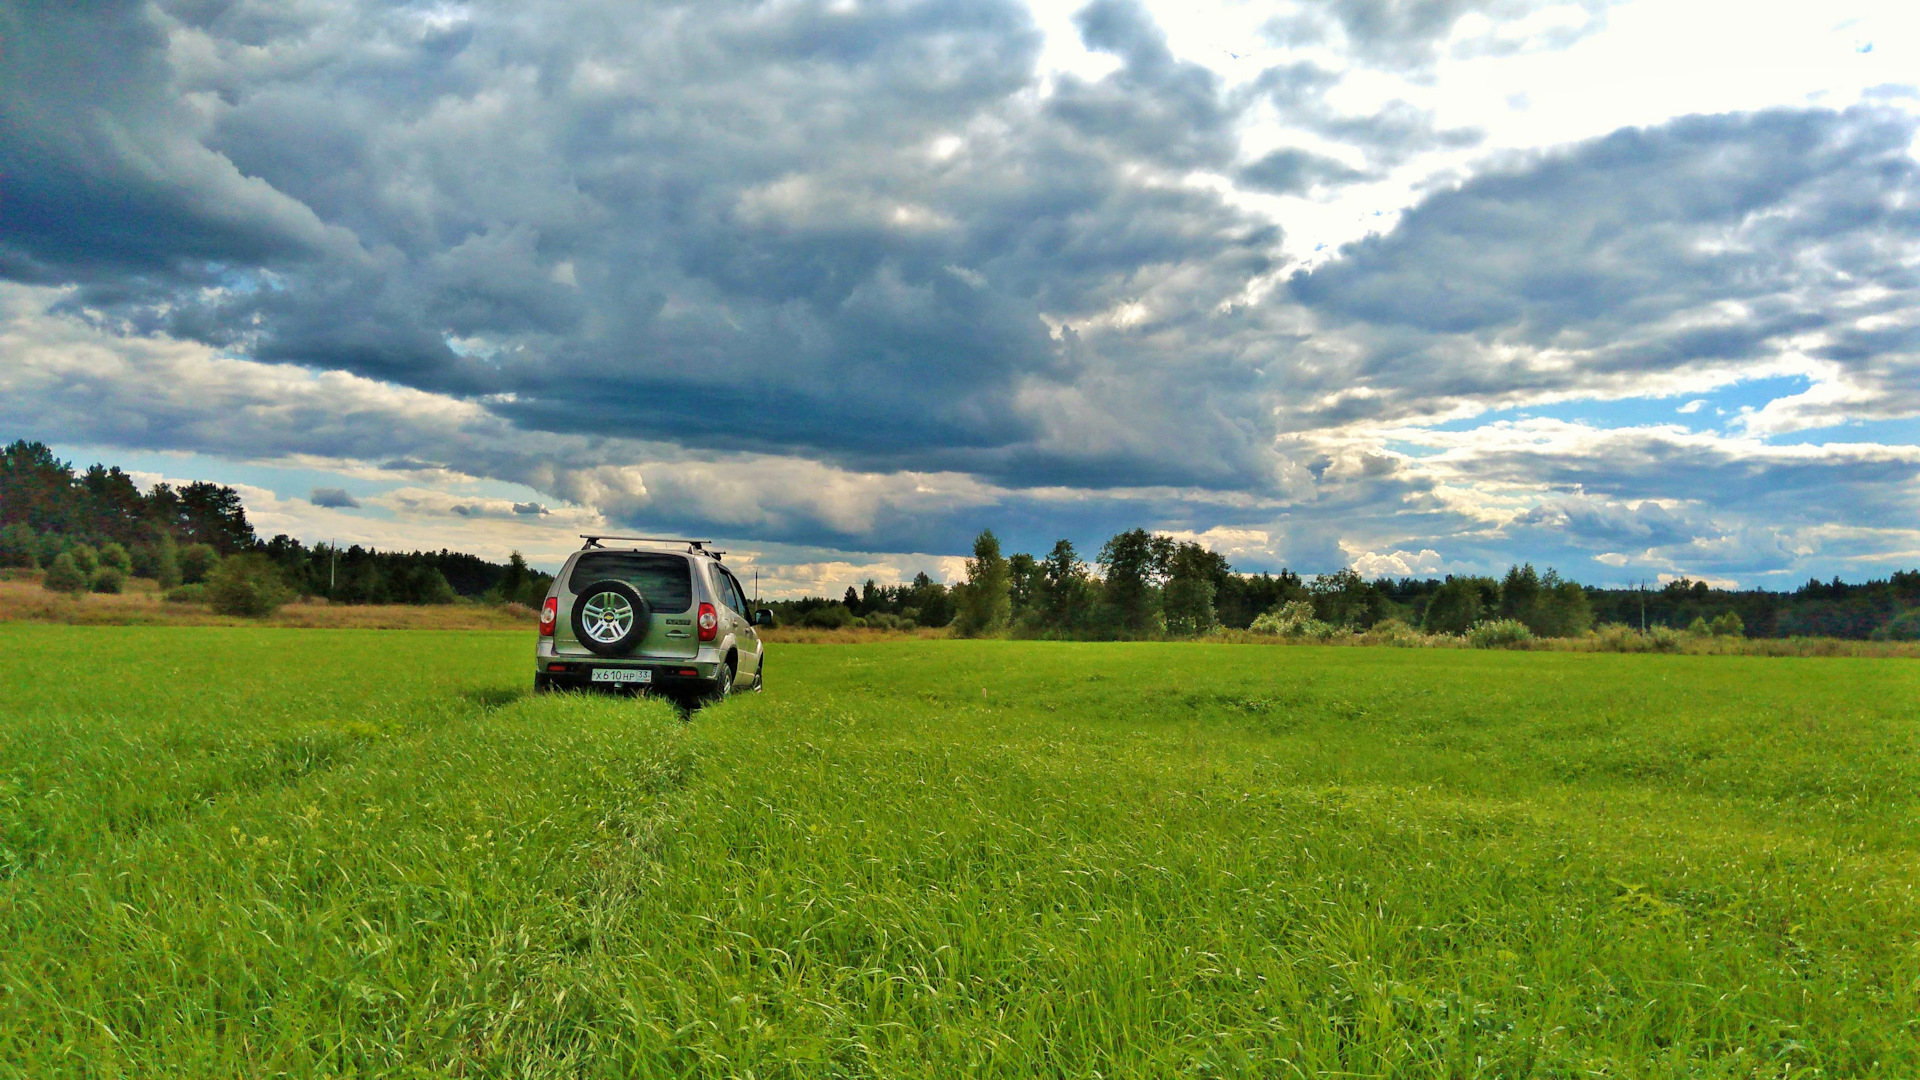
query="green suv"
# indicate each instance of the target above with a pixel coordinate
(644, 614)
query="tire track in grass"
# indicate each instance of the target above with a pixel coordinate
(118, 730)
(411, 909)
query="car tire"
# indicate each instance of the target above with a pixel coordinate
(760, 673)
(610, 617)
(722, 683)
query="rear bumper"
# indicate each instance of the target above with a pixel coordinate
(670, 677)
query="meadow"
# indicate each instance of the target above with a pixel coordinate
(234, 851)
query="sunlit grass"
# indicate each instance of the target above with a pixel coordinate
(248, 852)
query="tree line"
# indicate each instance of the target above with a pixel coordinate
(92, 529)
(1141, 584)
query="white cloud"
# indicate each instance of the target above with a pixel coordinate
(1397, 563)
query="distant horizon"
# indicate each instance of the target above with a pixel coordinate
(743, 556)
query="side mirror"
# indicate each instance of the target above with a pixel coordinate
(763, 617)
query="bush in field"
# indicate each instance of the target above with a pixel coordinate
(166, 561)
(64, 575)
(1395, 633)
(1499, 634)
(19, 546)
(1729, 625)
(107, 579)
(1616, 637)
(249, 585)
(1699, 627)
(881, 620)
(85, 558)
(1293, 619)
(187, 594)
(197, 562)
(112, 554)
(830, 617)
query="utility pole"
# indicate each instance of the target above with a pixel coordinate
(1643, 605)
(333, 553)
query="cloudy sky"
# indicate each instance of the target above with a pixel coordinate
(1417, 286)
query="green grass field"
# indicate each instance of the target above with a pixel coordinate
(240, 852)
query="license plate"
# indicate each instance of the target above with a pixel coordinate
(623, 675)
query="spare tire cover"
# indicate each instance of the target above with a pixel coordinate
(610, 617)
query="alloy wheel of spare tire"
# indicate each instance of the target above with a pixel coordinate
(610, 617)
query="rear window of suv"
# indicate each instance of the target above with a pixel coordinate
(663, 579)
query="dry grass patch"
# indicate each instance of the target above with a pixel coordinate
(22, 599)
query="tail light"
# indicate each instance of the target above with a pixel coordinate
(709, 623)
(549, 614)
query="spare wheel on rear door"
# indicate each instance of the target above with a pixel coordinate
(610, 617)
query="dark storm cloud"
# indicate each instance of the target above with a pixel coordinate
(336, 498)
(1412, 33)
(1155, 108)
(104, 173)
(740, 230)
(1705, 241)
(1293, 172)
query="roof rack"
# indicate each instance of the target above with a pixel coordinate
(593, 541)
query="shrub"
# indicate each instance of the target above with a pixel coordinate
(166, 561)
(1615, 637)
(65, 575)
(1499, 634)
(107, 579)
(19, 546)
(1698, 627)
(831, 617)
(187, 594)
(197, 562)
(112, 554)
(1394, 632)
(1293, 619)
(1666, 639)
(883, 621)
(1729, 625)
(249, 585)
(84, 558)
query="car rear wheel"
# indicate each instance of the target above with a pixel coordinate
(722, 683)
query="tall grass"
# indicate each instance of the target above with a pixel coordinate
(247, 852)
